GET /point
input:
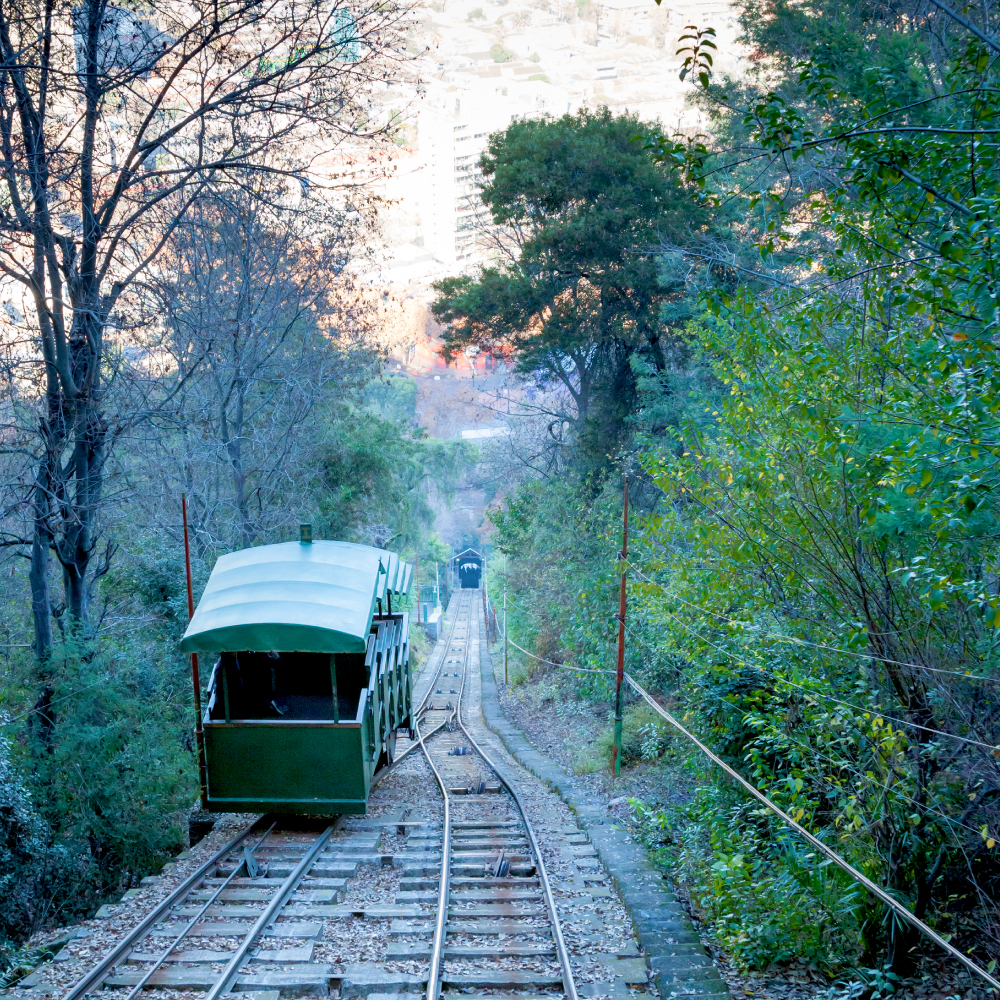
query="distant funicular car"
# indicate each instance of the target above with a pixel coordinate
(469, 566)
(312, 679)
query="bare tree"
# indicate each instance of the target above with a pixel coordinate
(112, 125)
(262, 333)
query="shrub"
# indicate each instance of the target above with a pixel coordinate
(38, 880)
(116, 775)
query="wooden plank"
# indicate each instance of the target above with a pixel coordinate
(500, 978)
(282, 869)
(311, 979)
(422, 949)
(495, 910)
(471, 896)
(265, 893)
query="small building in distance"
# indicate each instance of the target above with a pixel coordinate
(469, 568)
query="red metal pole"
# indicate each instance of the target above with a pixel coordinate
(199, 733)
(616, 762)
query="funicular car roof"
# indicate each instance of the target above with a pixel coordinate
(310, 597)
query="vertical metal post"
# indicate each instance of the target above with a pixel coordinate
(333, 684)
(199, 733)
(505, 618)
(416, 584)
(620, 674)
(225, 685)
(486, 607)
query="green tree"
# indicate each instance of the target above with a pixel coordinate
(576, 289)
(373, 479)
(829, 547)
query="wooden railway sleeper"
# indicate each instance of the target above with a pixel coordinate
(99, 972)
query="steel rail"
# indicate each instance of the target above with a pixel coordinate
(148, 974)
(100, 971)
(415, 745)
(437, 946)
(232, 969)
(569, 986)
(386, 771)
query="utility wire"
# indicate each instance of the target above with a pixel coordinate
(793, 640)
(846, 866)
(784, 680)
(34, 711)
(564, 666)
(862, 879)
(829, 697)
(819, 753)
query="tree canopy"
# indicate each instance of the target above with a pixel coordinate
(575, 291)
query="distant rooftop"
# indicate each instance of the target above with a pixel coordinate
(479, 433)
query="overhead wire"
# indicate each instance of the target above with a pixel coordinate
(819, 694)
(54, 701)
(809, 691)
(811, 838)
(872, 887)
(819, 753)
(794, 640)
(564, 666)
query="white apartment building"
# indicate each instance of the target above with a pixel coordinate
(451, 137)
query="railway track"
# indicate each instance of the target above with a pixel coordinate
(493, 883)
(445, 887)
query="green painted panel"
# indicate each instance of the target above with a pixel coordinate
(295, 807)
(314, 768)
(392, 581)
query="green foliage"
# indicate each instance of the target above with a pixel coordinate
(829, 539)
(95, 790)
(697, 59)
(535, 57)
(644, 737)
(763, 893)
(395, 398)
(113, 775)
(578, 300)
(26, 855)
(499, 54)
(818, 590)
(373, 476)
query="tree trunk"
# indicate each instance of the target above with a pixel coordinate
(38, 575)
(233, 436)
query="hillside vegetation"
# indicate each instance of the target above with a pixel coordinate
(786, 333)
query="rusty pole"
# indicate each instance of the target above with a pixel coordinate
(199, 732)
(616, 762)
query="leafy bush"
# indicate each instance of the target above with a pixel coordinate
(115, 775)
(38, 880)
(758, 888)
(644, 736)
